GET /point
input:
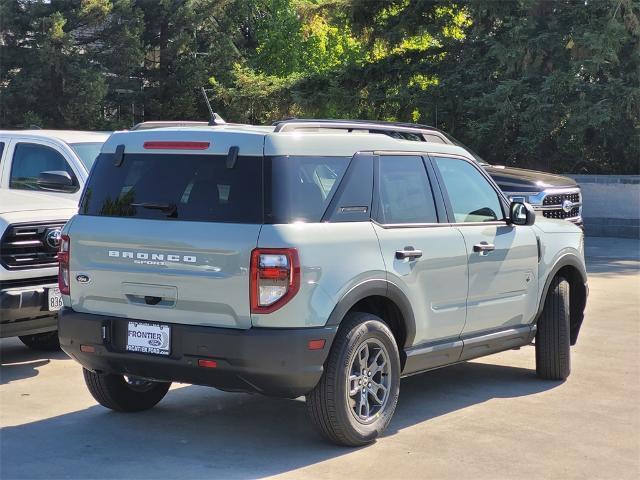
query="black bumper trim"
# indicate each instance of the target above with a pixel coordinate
(24, 310)
(28, 327)
(271, 361)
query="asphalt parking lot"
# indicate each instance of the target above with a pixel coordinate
(489, 418)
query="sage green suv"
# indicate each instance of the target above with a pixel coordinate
(323, 263)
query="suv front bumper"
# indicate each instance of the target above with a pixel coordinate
(24, 309)
(272, 361)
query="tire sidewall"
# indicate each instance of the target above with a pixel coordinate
(553, 349)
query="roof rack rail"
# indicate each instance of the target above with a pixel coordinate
(345, 120)
(148, 125)
(293, 124)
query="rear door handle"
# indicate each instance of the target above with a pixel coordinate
(484, 248)
(408, 252)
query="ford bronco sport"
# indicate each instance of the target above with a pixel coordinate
(323, 264)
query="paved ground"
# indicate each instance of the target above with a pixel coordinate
(483, 419)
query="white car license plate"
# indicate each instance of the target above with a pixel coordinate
(54, 299)
(148, 338)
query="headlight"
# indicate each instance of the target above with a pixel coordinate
(534, 199)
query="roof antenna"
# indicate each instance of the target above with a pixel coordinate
(215, 118)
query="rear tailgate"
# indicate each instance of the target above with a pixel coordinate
(186, 272)
(166, 226)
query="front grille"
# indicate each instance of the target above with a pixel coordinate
(30, 245)
(557, 199)
(561, 214)
(552, 205)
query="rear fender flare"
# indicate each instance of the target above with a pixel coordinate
(382, 288)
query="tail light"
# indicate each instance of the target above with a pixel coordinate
(64, 282)
(275, 278)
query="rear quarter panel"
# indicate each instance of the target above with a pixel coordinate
(334, 258)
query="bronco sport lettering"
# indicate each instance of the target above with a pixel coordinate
(152, 258)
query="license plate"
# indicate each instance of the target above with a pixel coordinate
(54, 299)
(148, 338)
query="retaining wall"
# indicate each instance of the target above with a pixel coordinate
(611, 205)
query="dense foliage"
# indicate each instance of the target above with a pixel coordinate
(540, 83)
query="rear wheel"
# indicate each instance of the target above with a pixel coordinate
(553, 355)
(357, 395)
(47, 341)
(124, 394)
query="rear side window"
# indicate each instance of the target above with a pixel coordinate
(30, 159)
(300, 188)
(179, 187)
(404, 191)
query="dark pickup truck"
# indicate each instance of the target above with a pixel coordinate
(554, 196)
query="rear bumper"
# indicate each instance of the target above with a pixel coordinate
(24, 310)
(270, 361)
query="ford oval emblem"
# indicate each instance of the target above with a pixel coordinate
(83, 278)
(155, 343)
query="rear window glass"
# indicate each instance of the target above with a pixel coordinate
(301, 187)
(178, 187)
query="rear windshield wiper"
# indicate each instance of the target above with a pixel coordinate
(170, 209)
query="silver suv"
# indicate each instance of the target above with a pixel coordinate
(327, 264)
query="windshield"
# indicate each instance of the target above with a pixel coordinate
(87, 152)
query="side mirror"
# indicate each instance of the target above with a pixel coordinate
(56, 180)
(521, 214)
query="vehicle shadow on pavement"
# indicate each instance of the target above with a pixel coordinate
(436, 393)
(18, 361)
(198, 432)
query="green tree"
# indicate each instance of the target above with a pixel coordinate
(55, 58)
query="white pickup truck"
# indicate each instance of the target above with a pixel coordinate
(41, 177)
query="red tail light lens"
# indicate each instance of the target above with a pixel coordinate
(64, 282)
(275, 278)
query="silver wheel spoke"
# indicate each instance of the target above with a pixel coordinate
(378, 391)
(363, 407)
(376, 367)
(353, 385)
(363, 356)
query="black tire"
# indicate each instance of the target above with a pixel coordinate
(115, 392)
(328, 405)
(47, 341)
(553, 354)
